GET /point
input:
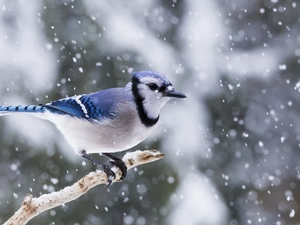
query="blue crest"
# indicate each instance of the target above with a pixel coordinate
(153, 74)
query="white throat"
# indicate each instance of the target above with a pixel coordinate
(153, 106)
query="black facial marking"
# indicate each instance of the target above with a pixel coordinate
(148, 122)
(162, 88)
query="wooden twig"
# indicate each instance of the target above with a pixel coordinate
(31, 206)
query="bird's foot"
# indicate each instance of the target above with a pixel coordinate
(110, 174)
(121, 165)
(115, 161)
(101, 166)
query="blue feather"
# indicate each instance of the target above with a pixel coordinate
(107, 100)
(165, 81)
(95, 106)
(78, 106)
(22, 108)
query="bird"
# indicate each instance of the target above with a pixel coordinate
(107, 121)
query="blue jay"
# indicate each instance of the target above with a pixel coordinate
(110, 120)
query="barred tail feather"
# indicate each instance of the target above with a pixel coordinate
(4, 110)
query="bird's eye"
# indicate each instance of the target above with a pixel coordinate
(153, 86)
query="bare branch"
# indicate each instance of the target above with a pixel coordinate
(32, 206)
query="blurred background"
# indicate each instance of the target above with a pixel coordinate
(232, 147)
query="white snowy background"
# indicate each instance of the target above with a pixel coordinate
(232, 147)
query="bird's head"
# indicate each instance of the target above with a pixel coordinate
(152, 90)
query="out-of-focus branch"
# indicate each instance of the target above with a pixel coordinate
(32, 206)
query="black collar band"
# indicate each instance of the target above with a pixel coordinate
(148, 122)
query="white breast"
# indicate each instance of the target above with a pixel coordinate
(115, 135)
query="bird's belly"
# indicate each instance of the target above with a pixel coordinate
(94, 137)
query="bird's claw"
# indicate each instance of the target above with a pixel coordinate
(110, 174)
(107, 168)
(121, 165)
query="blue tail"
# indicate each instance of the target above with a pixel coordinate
(22, 108)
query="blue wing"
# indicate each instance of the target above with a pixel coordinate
(95, 106)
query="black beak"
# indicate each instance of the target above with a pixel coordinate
(174, 94)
